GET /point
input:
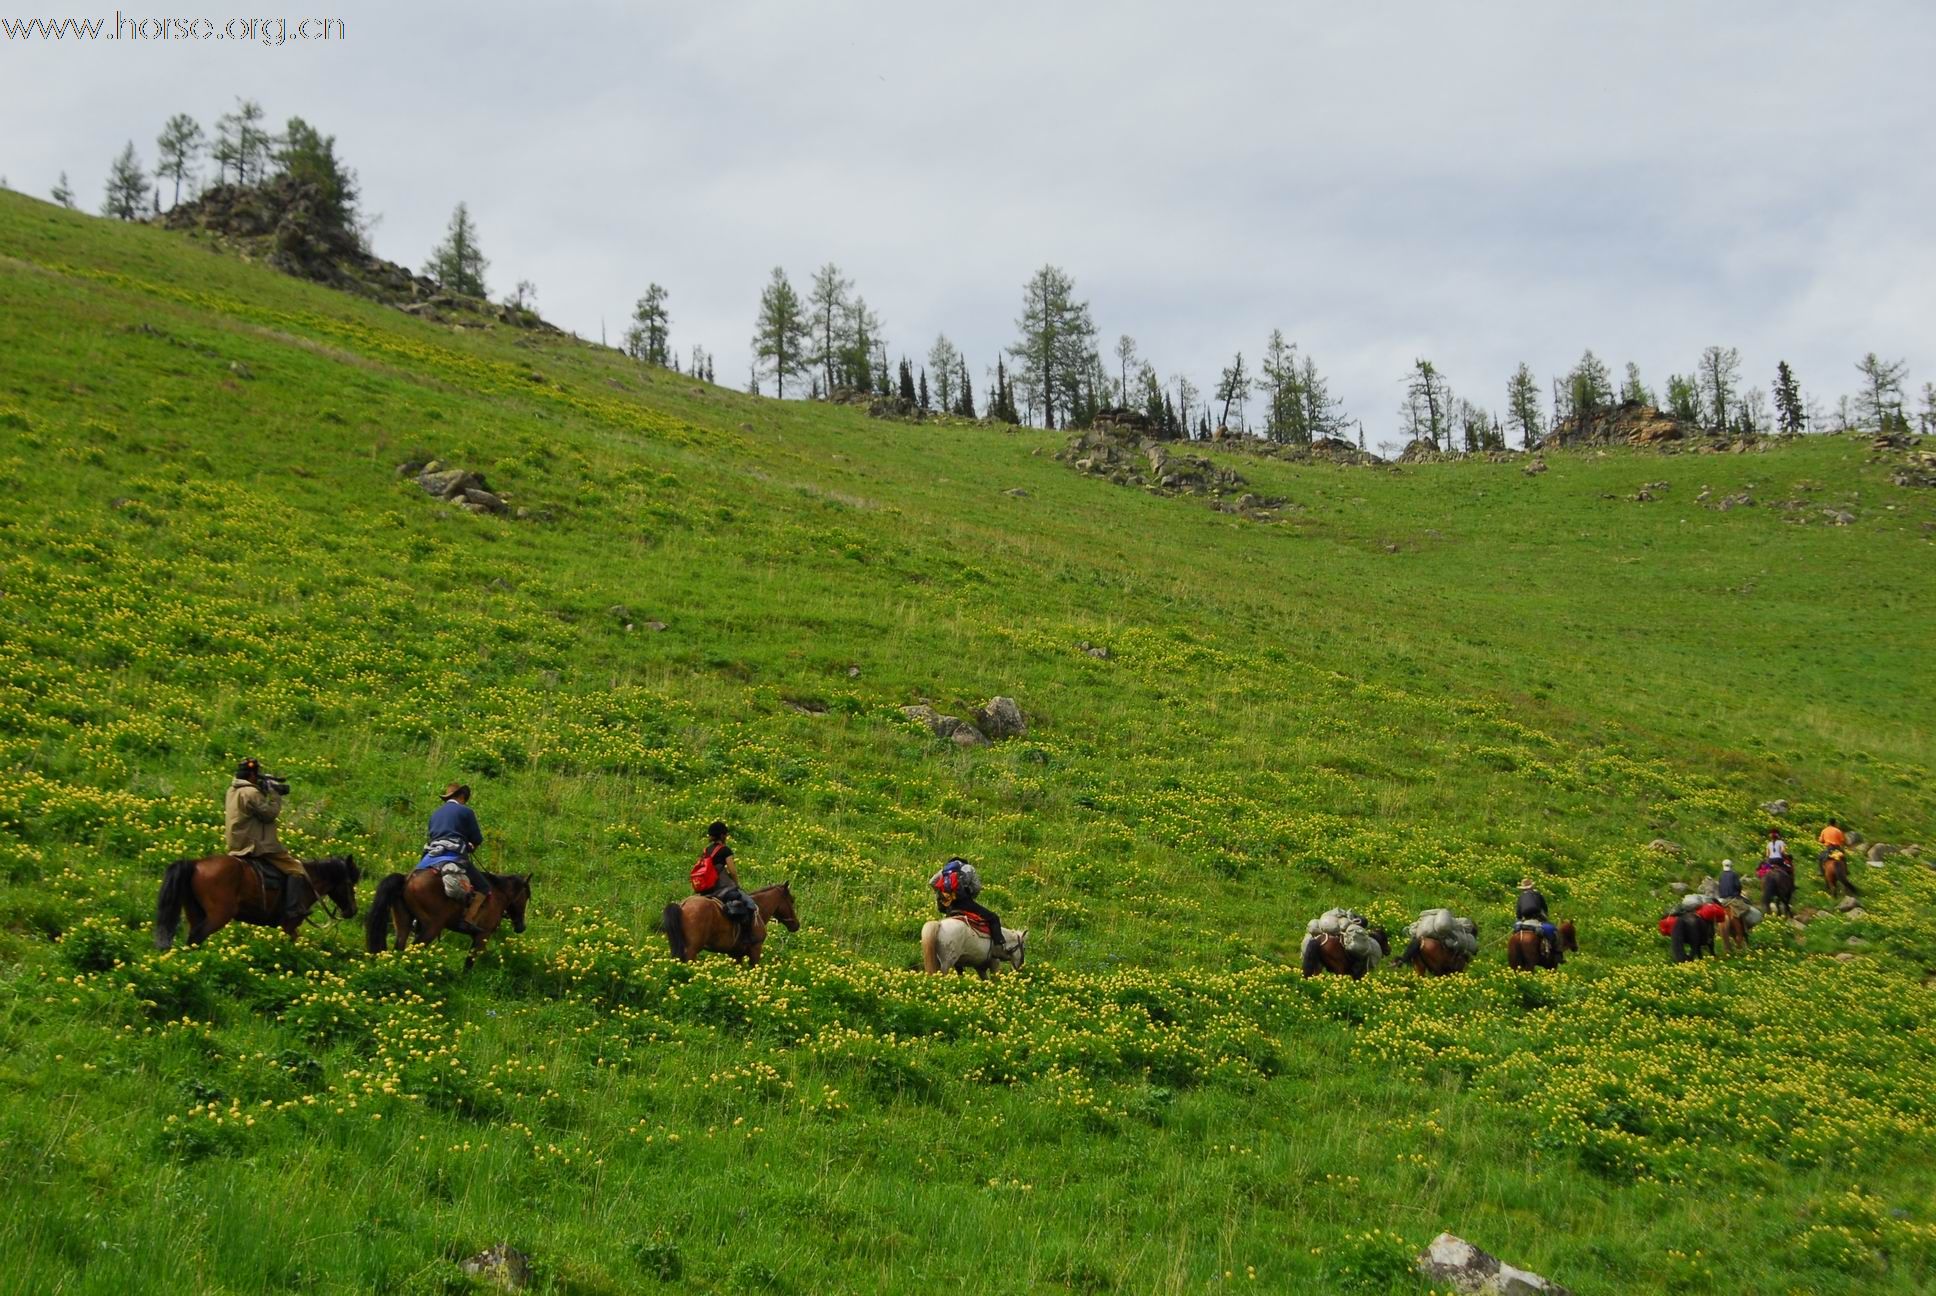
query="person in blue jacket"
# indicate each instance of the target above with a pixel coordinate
(454, 834)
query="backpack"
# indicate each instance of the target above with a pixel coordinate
(957, 880)
(705, 874)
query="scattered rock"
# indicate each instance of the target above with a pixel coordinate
(484, 501)
(1465, 1268)
(1848, 903)
(1857, 914)
(1741, 500)
(507, 1267)
(1001, 718)
(1665, 847)
(1807, 914)
(1535, 468)
(655, 626)
(450, 483)
(1845, 957)
(1016, 492)
(1840, 517)
(1117, 451)
(619, 612)
(1879, 851)
(806, 706)
(1094, 650)
(1774, 808)
(966, 735)
(1855, 838)
(853, 672)
(241, 371)
(1797, 925)
(1677, 887)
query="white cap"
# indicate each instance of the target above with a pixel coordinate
(1727, 864)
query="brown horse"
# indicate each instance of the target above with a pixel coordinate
(1327, 953)
(1835, 874)
(416, 905)
(222, 889)
(1526, 952)
(1734, 932)
(1431, 957)
(699, 923)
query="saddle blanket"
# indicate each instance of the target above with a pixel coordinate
(975, 921)
(1547, 930)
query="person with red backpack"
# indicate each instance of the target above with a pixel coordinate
(714, 877)
(955, 888)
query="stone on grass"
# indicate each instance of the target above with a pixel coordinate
(506, 1267)
(1001, 718)
(1465, 1268)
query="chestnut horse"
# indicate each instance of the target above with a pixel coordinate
(1734, 932)
(1835, 874)
(416, 905)
(221, 889)
(699, 923)
(1430, 956)
(1525, 951)
(1327, 953)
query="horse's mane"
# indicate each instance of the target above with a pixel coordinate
(335, 866)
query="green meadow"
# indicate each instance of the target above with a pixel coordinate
(1418, 686)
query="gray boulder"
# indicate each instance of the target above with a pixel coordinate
(966, 735)
(1001, 718)
(484, 501)
(1775, 808)
(505, 1267)
(941, 726)
(1848, 905)
(1465, 1268)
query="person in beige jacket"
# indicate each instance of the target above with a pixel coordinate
(253, 803)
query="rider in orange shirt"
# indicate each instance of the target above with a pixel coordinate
(1833, 836)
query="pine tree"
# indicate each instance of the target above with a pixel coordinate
(780, 338)
(1002, 407)
(832, 316)
(1324, 415)
(179, 144)
(650, 338)
(1790, 415)
(1684, 398)
(1233, 389)
(1878, 406)
(1278, 383)
(1428, 406)
(922, 388)
(1633, 391)
(1057, 344)
(1125, 356)
(63, 194)
(967, 406)
(127, 188)
(242, 144)
(1926, 416)
(1186, 400)
(308, 157)
(906, 384)
(456, 264)
(1589, 390)
(1523, 412)
(946, 363)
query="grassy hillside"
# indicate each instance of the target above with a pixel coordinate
(1419, 686)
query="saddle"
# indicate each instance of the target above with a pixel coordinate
(278, 895)
(976, 923)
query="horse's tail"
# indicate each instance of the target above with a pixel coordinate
(1411, 952)
(930, 947)
(675, 930)
(376, 927)
(177, 893)
(1311, 956)
(1848, 879)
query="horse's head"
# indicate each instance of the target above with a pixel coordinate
(1384, 941)
(337, 877)
(517, 894)
(1015, 947)
(783, 907)
(1568, 941)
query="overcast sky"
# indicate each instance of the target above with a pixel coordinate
(1476, 183)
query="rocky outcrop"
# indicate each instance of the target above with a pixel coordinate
(1628, 423)
(1146, 462)
(464, 487)
(997, 718)
(1465, 1268)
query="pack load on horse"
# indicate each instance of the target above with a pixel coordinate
(420, 905)
(1344, 943)
(1690, 928)
(1441, 943)
(965, 940)
(718, 916)
(450, 842)
(257, 880)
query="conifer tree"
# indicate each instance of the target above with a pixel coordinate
(179, 144)
(1057, 344)
(946, 363)
(1878, 406)
(649, 340)
(921, 387)
(1718, 376)
(1684, 398)
(832, 319)
(63, 194)
(1633, 391)
(1234, 389)
(1428, 406)
(127, 187)
(1523, 412)
(1125, 356)
(1277, 382)
(780, 338)
(1791, 417)
(907, 392)
(308, 157)
(966, 407)
(457, 265)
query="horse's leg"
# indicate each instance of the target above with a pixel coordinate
(215, 915)
(477, 947)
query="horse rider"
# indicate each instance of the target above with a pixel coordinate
(1532, 908)
(955, 888)
(454, 835)
(1832, 837)
(1727, 889)
(250, 810)
(1776, 855)
(715, 877)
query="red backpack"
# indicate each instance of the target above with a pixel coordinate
(705, 874)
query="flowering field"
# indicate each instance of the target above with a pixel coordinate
(1414, 690)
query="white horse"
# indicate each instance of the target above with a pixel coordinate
(949, 945)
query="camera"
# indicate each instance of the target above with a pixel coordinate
(275, 783)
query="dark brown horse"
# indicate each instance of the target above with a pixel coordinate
(1526, 952)
(1430, 956)
(415, 905)
(1835, 874)
(1690, 936)
(222, 889)
(1778, 891)
(1327, 953)
(699, 923)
